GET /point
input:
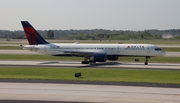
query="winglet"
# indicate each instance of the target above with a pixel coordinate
(32, 35)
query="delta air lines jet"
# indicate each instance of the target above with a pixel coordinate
(92, 53)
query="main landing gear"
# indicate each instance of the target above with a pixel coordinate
(146, 62)
(86, 60)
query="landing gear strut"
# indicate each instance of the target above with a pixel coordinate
(85, 61)
(146, 62)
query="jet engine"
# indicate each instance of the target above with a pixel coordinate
(99, 57)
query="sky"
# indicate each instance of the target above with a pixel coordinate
(90, 14)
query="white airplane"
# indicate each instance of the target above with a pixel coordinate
(92, 53)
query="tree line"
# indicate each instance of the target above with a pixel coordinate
(97, 34)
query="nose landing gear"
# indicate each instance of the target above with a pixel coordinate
(146, 62)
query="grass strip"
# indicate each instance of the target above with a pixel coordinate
(37, 57)
(169, 49)
(91, 74)
(10, 48)
(62, 58)
(152, 59)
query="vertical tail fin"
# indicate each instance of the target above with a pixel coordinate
(32, 35)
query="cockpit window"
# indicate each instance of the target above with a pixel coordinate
(157, 49)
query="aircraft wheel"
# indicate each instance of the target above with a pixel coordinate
(146, 63)
(92, 61)
(84, 62)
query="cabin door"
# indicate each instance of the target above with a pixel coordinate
(118, 50)
(148, 50)
(45, 49)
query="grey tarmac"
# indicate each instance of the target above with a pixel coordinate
(82, 93)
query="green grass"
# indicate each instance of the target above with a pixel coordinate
(37, 57)
(91, 74)
(152, 59)
(10, 48)
(173, 49)
(48, 57)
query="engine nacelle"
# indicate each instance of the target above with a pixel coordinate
(112, 57)
(100, 57)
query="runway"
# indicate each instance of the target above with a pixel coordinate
(117, 65)
(78, 93)
(84, 93)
